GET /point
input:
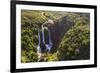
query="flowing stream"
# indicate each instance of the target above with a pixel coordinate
(43, 40)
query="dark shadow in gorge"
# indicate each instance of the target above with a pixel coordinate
(59, 29)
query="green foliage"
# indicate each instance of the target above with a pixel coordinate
(75, 39)
(74, 42)
(32, 18)
(52, 57)
(31, 22)
(28, 56)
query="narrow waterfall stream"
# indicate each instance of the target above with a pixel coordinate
(44, 39)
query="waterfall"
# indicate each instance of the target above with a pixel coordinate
(43, 35)
(48, 45)
(38, 47)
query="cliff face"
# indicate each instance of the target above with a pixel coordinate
(59, 29)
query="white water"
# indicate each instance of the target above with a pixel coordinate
(48, 46)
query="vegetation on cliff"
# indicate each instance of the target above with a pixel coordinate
(71, 38)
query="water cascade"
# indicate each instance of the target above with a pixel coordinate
(48, 44)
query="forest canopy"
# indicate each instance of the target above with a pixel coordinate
(71, 39)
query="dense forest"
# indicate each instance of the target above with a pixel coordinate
(70, 35)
